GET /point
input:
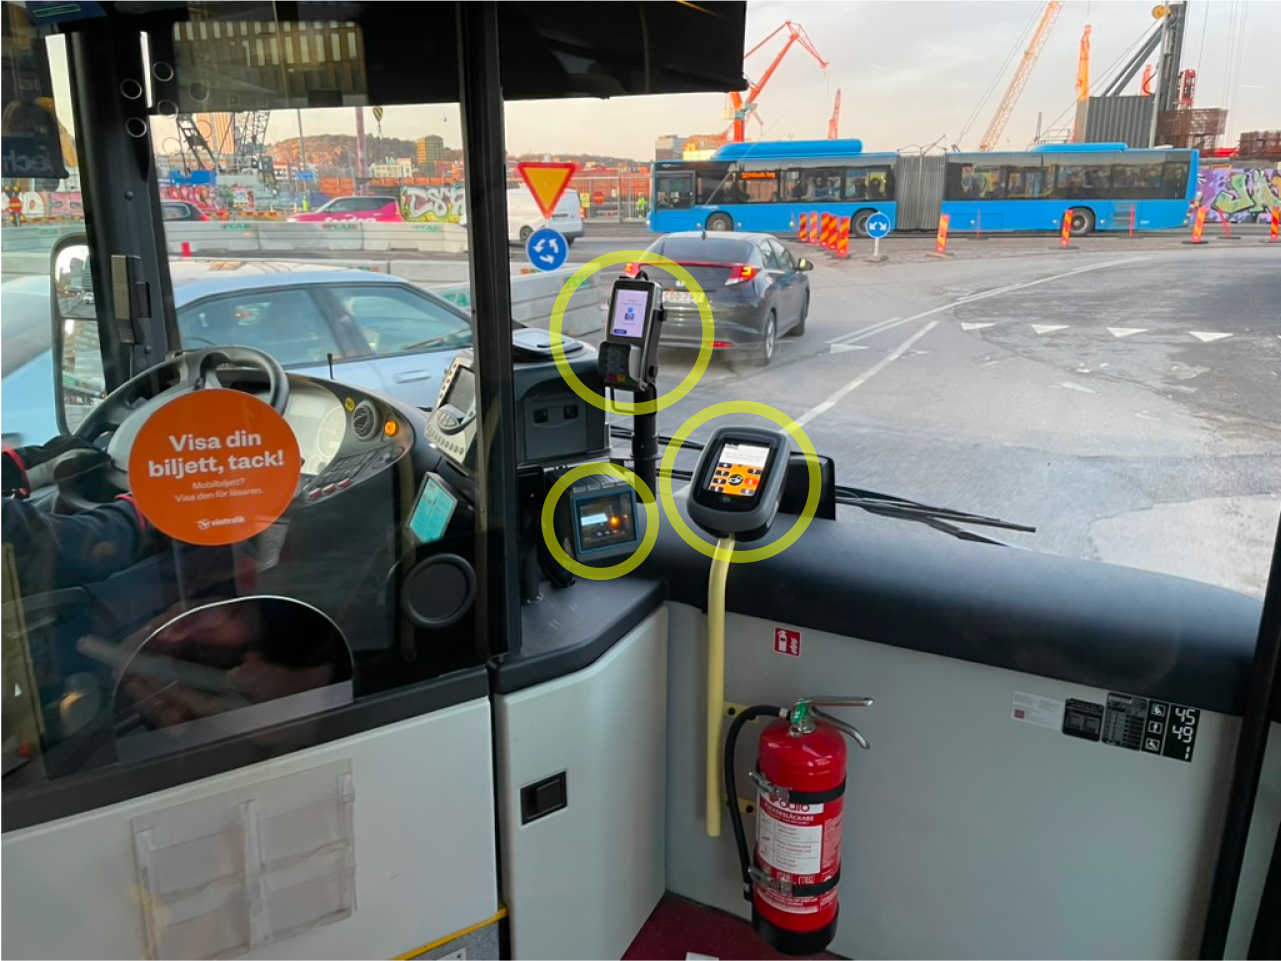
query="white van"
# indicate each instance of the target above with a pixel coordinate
(524, 217)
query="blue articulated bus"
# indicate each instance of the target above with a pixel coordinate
(766, 186)
(1100, 186)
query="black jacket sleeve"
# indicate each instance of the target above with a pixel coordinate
(52, 551)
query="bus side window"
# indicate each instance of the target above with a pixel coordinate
(759, 186)
(822, 183)
(1131, 181)
(855, 183)
(982, 182)
(1174, 180)
(1083, 182)
(793, 186)
(674, 191)
(1031, 182)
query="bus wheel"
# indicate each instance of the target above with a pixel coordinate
(525, 234)
(719, 222)
(858, 226)
(1082, 221)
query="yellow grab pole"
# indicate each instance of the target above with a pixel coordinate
(716, 678)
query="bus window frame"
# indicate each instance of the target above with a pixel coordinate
(682, 173)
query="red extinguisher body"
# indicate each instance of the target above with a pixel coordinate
(798, 835)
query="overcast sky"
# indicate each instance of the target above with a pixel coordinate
(909, 72)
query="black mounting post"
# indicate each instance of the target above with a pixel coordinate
(122, 196)
(645, 454)
(1266, 941)
(1252, 742)
(497, 514)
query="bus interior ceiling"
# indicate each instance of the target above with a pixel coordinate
(502, 760)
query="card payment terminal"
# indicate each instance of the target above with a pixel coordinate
(739, 482)
(628, 357)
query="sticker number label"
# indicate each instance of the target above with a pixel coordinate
(1180, 737)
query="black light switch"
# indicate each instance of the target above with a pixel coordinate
(542, 798)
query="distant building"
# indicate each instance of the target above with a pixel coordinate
(431, 149)
(393, 168)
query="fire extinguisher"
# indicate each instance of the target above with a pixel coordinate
(800, 777)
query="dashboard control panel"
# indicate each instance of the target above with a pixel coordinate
(345, 437)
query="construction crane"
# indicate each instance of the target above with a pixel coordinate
(202, 154)
(1083, 67)
(742, 106)
(994, 130)
(834, 125)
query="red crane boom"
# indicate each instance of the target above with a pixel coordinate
(737, 132)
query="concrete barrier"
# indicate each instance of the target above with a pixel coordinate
(534, 296)
(20, 264)
(266, 236)
(428, 238)
(216, 238)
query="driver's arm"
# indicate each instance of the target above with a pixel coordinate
(54, 551)
(26, 469)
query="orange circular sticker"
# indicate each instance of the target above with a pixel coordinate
(214, 467)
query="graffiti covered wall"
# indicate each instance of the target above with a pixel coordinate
(433, 204)
(1240, 194)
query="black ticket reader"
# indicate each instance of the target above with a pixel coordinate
(597, 518)
(628, 358)
(739, 482)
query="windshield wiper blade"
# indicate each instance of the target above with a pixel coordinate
(900, 506)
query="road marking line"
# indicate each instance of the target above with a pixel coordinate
(1048, 328)
(965, 326)
(864, 377)
(903, 348)
(1077, 387)
(863, 331)
(1206, 336)
(842, 348)
(1126, 331)
(885, 325)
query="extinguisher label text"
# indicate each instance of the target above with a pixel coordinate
(788, 840)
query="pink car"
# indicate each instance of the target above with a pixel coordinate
(377, 209)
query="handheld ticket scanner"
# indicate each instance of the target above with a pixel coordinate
(628, 359)
(791, 877)
(739, 482)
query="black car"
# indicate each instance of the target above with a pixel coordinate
(757, 291)
(181, 210)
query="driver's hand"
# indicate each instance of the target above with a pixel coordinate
(30, 468)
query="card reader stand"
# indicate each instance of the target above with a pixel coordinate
(628, 360)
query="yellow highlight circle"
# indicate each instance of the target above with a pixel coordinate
(758, 409)
(558, 320)
(623, 567)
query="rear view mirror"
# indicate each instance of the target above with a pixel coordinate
(804, 264)
(78, 373)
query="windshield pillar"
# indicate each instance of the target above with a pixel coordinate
(480, 96)
(106, 68)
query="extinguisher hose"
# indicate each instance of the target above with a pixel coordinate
(731, 787)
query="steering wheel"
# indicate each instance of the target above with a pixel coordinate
(123, 412)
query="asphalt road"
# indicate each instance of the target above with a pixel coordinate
(1124, 399)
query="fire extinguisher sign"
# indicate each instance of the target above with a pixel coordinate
(787, 642)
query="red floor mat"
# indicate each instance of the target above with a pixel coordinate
(678, 927)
